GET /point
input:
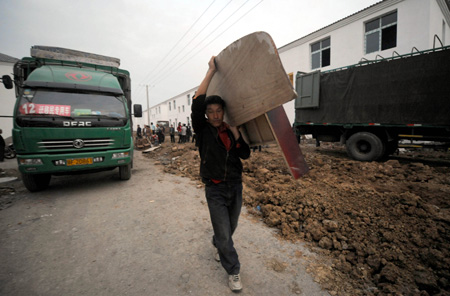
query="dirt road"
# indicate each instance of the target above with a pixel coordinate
(96, 235)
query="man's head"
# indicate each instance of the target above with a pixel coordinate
(215, 110)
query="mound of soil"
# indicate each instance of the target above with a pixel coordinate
(381, 228)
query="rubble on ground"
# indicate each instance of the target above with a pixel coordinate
(381, 228)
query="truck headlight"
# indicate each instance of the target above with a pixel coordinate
(30, 161)
(120, 155)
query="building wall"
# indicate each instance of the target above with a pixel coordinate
(439, 24)
(7, 101)
(417, 23)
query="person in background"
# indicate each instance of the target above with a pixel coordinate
(153, 128)
(179, 132)
(139, 132)
(188, 133)
(183, 133)
(221, 149)
(172, 134)
(160, 132)
(144, 130)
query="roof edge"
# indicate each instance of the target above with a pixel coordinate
(341, 23)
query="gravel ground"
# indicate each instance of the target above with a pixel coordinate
(96, 235)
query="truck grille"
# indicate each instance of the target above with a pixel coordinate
(76, 143)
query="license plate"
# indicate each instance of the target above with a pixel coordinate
(79, 161)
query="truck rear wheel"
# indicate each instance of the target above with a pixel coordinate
(36, 182)
(125, 172)
(364, 146)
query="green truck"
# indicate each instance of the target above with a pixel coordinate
(72, 115)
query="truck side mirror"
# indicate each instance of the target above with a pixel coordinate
(7, 81)
(137, 110)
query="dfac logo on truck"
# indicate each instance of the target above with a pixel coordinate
(78, 76)
(77, 123)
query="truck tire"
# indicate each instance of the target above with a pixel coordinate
(36, 182)
(364, 146)
(125, 172)
(9, 153)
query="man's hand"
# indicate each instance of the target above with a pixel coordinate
(212, 64)
(234, 130)
(209, 75)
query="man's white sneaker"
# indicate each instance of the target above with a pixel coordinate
(234, 282)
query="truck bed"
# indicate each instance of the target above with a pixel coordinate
(404, 90)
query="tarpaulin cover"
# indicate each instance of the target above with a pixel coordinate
(409, 90)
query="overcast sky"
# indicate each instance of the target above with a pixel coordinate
(165, 44)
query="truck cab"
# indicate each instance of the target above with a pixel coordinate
(71, 117)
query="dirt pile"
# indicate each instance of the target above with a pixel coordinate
(382, 228)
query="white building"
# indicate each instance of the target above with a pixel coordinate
(7, 97)
(387, 28)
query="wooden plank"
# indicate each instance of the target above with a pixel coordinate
(250, 78)
(253, 83)
(258, 131)
(285, 137)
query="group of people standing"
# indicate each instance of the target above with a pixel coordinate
(157, 133)
(151, 131)
(184, 133)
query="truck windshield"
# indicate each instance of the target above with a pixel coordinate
(41, 103)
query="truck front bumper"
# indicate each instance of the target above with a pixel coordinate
(73, 162)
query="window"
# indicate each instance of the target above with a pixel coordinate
(183, 107)
(170, 106)
(178, 109)
(381, 33)
(320, 53)
(189, 99)
(39, 103)
(174, 105)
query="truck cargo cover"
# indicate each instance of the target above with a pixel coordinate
(65, 54)
(408, 90)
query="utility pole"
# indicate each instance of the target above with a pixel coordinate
(148, 106)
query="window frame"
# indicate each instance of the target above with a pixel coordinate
(379, 31)
(320, 51)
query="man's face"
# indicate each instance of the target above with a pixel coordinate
(215, 113)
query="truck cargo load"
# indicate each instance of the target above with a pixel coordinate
(404, 97)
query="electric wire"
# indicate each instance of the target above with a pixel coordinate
(175, 66)
(178, 42)
(188, 59)
(212, 19)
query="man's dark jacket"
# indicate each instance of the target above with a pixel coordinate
(216, 162)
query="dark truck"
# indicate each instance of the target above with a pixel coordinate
(373, 106)
(72, 115)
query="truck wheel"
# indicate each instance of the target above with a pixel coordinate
(364, 146)
(9, 154)
(125, 172)
(36, 182)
